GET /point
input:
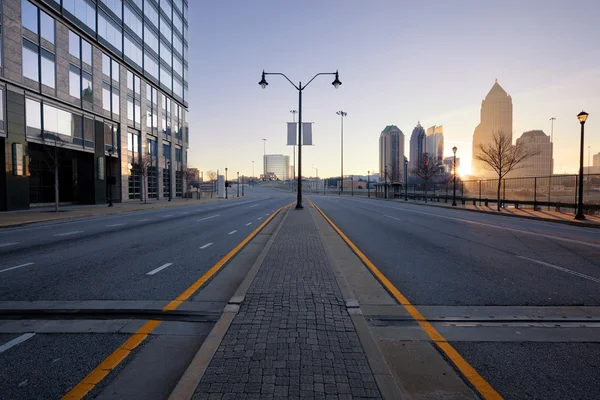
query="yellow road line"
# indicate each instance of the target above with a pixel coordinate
(116, 357)
(480, 384)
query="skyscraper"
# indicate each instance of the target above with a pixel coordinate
(104, 83)
(391, 154)
(540, 164)
(417, 147)
(434, 143)
(277, 167)
(496, 116)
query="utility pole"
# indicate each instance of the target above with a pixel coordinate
(551, 160)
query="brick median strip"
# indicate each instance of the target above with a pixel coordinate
(292, 335)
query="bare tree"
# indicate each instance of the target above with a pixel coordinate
(190, 178)
(430, 167)
(502, 156)
(212, 175)
(147, 161)
(52, 144)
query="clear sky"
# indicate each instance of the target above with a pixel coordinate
(399, 61)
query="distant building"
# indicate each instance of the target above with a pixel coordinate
(417, 148)
(449, 164)
(391, 153)
(434, 142)
(538, 165)
(596, 160)
(496, 116)
(277, 167)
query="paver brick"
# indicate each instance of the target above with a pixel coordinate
(292, 337)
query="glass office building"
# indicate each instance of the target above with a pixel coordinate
(93, 93)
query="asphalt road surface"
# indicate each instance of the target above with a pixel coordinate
(132, 263)
(518, 299)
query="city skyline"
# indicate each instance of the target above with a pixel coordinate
(545, 80)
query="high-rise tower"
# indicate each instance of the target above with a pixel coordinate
(496, 116)
(391, 154)
(417, 147)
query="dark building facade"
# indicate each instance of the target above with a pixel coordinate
(93, 93)
(417, 148)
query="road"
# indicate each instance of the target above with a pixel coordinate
(71, 293)
(518, 299)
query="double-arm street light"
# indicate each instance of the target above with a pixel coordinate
(342, 114)
(582, 117)
(405, 179)
(454, 185)
(368, 188)
(238, 185)
(336, 83)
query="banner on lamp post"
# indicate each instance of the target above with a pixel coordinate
(292, 134)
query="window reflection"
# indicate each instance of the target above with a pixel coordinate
(133, 20)
(109, 31)
(165, 77)
(151, 39)
(151, 65)
(151, 12)
(165, 6)
(165, 28)
(86, 87)
(30, 60)
(115, 102)
(33, 114)
(83, 10)
(106, 96)
(165, 53)
(74, 43)
(47, 27)
(74, 81)
(114, 5)
(133, 50)
(57, 121)
(106, 65)
(86, 52)
(29, 16)
(48, 69)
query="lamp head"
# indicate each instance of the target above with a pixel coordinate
(111, 151)
(454, 149)
(582, 117)
(263, 82)
(336, 82)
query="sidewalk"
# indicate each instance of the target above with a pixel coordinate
(293, 336)
(592, 221)
(18, 218)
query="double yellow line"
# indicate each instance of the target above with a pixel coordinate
(113, 360)
(480, 384)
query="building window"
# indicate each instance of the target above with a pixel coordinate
(47, 27)
(165, 52)
(88, 132)
(115, 101)
(151, 65)
(31, 53)
(48, 68)
(29, 16)
(179, 5)
(111, 138)
(177, 45)
(74, 45)
(133, 50)
(87, 93)
(165, 6)
(177, 88)
(1, 109)
(83, 10)
(133, 21)
(177, 66)
(150, 39)
(165, 29)
(75, 81)
(33, 117)
(106, 96)
(165, 77)
(109, 31)
(115, 70)
(86, 52)
(151, 12)
(114, 5)
(177, 23)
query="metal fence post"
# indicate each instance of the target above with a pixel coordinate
(480, 192)
(535, 207)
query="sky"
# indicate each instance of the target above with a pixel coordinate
(400, 62)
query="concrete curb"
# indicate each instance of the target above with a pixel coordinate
(572, 223)
(185, 388)
(388, 386)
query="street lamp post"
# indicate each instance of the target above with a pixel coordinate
(352, 184)
(368, 188)
(238, 184)
(242, 185)
(226, 183)
(582, 117)
(454, 178)
(336, 83)
(168, 165)
(317, 183)
(253, 170)
(405, 179)
(294, 112)
(110, 153)
(342, 114)
(385, 182)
